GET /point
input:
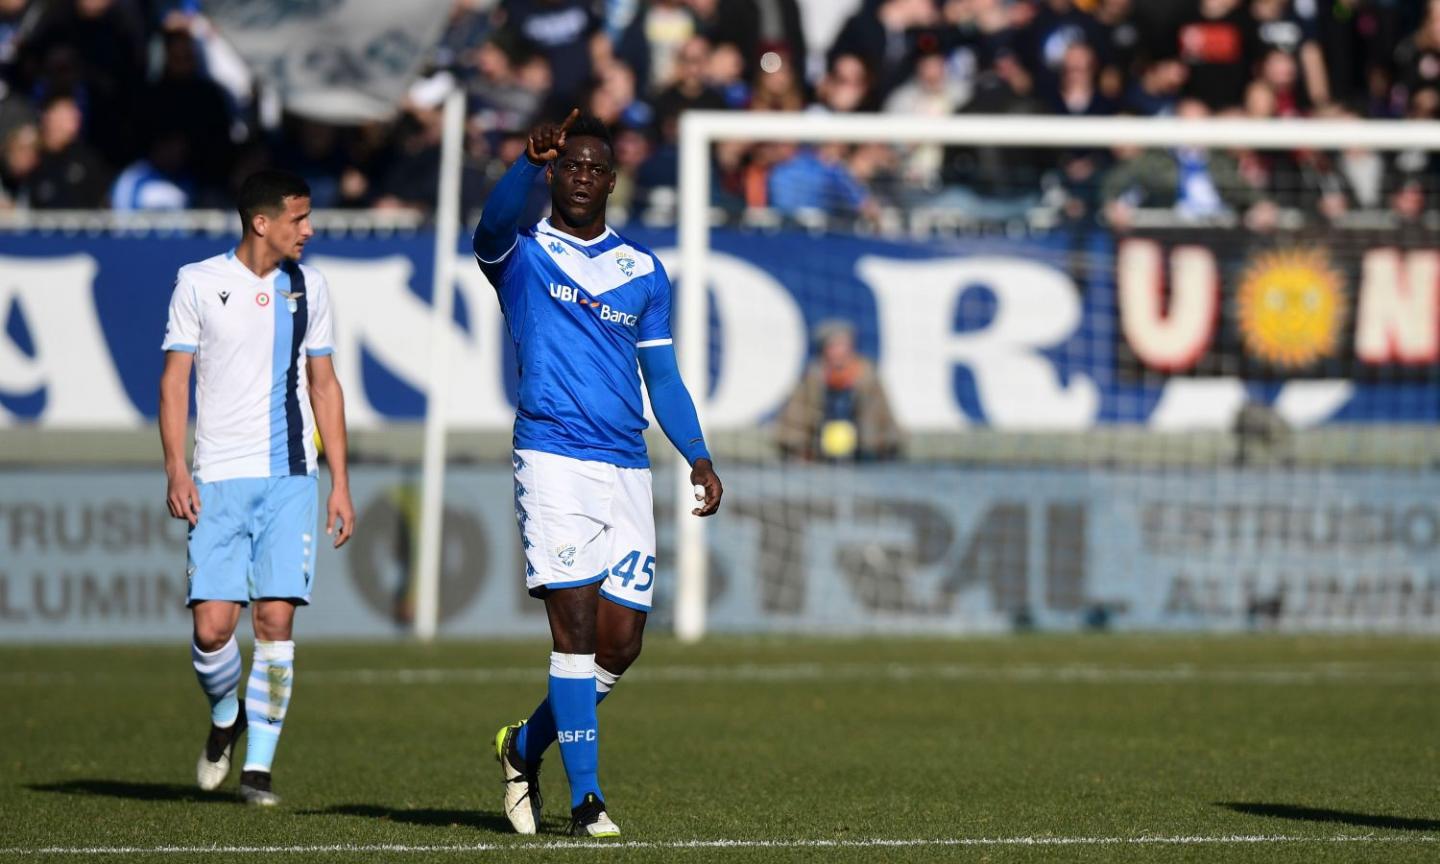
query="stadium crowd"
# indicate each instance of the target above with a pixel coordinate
(138, 104)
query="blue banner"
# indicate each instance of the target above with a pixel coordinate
(1065, 331)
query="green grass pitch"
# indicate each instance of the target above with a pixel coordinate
(1039, 748)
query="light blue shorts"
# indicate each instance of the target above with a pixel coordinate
(255, 540)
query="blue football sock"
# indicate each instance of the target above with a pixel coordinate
(266, 700)
(219, 674)
(538, 733)
(572, 701)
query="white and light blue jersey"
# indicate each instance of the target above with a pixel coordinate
(250, 337)
(578, 311)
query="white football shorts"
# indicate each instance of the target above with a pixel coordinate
(583, 522)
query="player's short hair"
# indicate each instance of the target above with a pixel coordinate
(590, 126)
(266, 191)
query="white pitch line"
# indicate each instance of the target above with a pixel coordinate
(904, 672)
(562, 846)
(1295, 674)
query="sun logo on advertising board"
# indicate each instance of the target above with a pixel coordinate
(1291, 307)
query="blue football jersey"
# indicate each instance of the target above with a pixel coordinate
(578, 311)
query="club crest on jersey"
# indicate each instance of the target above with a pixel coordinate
(625, 263)
(566, 554)
(292, 299)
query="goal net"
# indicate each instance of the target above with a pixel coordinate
(993, 373)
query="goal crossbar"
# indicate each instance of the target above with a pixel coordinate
(700, 129)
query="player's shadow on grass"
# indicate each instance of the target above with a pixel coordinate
(1320, 814)
(420, 816)
(136, 791)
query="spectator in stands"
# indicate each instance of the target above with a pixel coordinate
(1213, 42)
(1278, 75)
(778, 89)
(160, 180)
(754, 28)
(21, 159)
(1276, 57)
(996, 183)
(650, 45)
(623, 97)
(505, 91)
(932, 92)
(726, 73)
(1193, 182)
(839, 411)
(1056, 28)
(1075, 186)
(15, 17)
(566, 32)
(1418, 56)
(94, 52)
(846, 87)
(70, 175)
(1359, 173)
(1077, 89)
(183, 96)
(469, 26)
(815, 182)
(1156, 91)
(312, 150)
(1358, 39)
(412, 179)
(1292, 30)
(884, 35)
(632, 148)
(1413, 182)
(1118, 46)
(688, 89)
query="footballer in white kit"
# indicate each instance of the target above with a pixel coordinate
(589, 314)
(254, 324)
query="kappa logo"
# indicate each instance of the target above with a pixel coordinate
(625, 263)
(566, 554)
(224, 297)
(557, 247)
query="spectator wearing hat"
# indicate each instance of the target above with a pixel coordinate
(839, 411)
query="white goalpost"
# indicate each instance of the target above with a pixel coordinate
(432, 482)
(701, 131)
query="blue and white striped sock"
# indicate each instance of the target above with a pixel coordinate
(266, 698)
(572, 699)
(219, 674)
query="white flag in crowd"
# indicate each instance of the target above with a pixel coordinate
(339, 61)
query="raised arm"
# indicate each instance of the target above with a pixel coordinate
(676, 412)
(500, 220)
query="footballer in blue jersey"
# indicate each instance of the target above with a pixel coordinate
(589, 314)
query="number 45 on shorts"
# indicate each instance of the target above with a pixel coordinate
(625, 569)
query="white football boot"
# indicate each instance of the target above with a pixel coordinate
(214, 763)
(522, 802)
